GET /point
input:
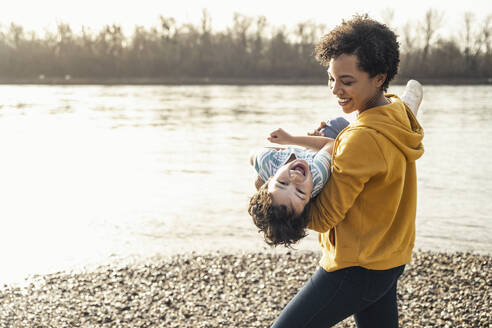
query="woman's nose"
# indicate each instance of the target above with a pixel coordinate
(336, 90)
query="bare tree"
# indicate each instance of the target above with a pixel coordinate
(467, 34)
(432, 22)
(206, 22)
(87, 40)
(168, 27)
(241, 26)
(409, 39)
(15, 36)
(484, 40)
(306, 36)
(261, 24)
(306, 32)
(64, 40)
(205, 56)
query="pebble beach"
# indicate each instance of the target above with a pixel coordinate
(236, 290)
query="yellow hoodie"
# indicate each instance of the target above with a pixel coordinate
(365, 214)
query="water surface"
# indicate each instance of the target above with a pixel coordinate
(93, 173)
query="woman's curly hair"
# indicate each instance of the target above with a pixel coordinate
(279, 225)
(373, 43)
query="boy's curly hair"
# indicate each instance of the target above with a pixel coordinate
(279, 224)
(373, 43)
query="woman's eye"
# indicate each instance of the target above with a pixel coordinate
(282, 183)
(302, 192)
(347, 83)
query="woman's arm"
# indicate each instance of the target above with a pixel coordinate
(357, 159)
(312, 142)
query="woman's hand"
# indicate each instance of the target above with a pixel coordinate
(281, 137)
(317, 132)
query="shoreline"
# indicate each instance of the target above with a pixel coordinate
(175, 81)
(237, 289)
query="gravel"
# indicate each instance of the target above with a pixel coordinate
(236, 290)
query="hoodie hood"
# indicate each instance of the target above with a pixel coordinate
(397, 123)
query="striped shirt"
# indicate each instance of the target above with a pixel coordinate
(268, 161)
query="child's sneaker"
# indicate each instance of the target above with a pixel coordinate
(412, 96)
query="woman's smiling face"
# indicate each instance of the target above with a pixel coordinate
(353, 87)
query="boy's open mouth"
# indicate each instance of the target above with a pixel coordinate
(300, 168)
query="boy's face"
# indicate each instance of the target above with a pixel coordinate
(354, 88)
(292, 186)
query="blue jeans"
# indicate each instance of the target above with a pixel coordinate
(334, 127)
(330, 297)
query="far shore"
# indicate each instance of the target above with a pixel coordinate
(69, 80)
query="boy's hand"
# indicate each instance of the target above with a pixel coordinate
(281, 137)
(317, 132)
(259, 182)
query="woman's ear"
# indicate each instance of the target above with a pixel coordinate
(379, 79)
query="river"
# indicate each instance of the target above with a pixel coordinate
(89, 174)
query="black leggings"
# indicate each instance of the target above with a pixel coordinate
(330, 297)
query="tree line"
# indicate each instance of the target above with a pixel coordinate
(249, 49)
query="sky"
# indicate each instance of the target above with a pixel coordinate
(41, 15)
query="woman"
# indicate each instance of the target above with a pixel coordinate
(365, 214)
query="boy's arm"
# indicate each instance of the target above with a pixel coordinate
(312, 142)
(259, 182)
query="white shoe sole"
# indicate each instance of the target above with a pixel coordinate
(412, 96)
